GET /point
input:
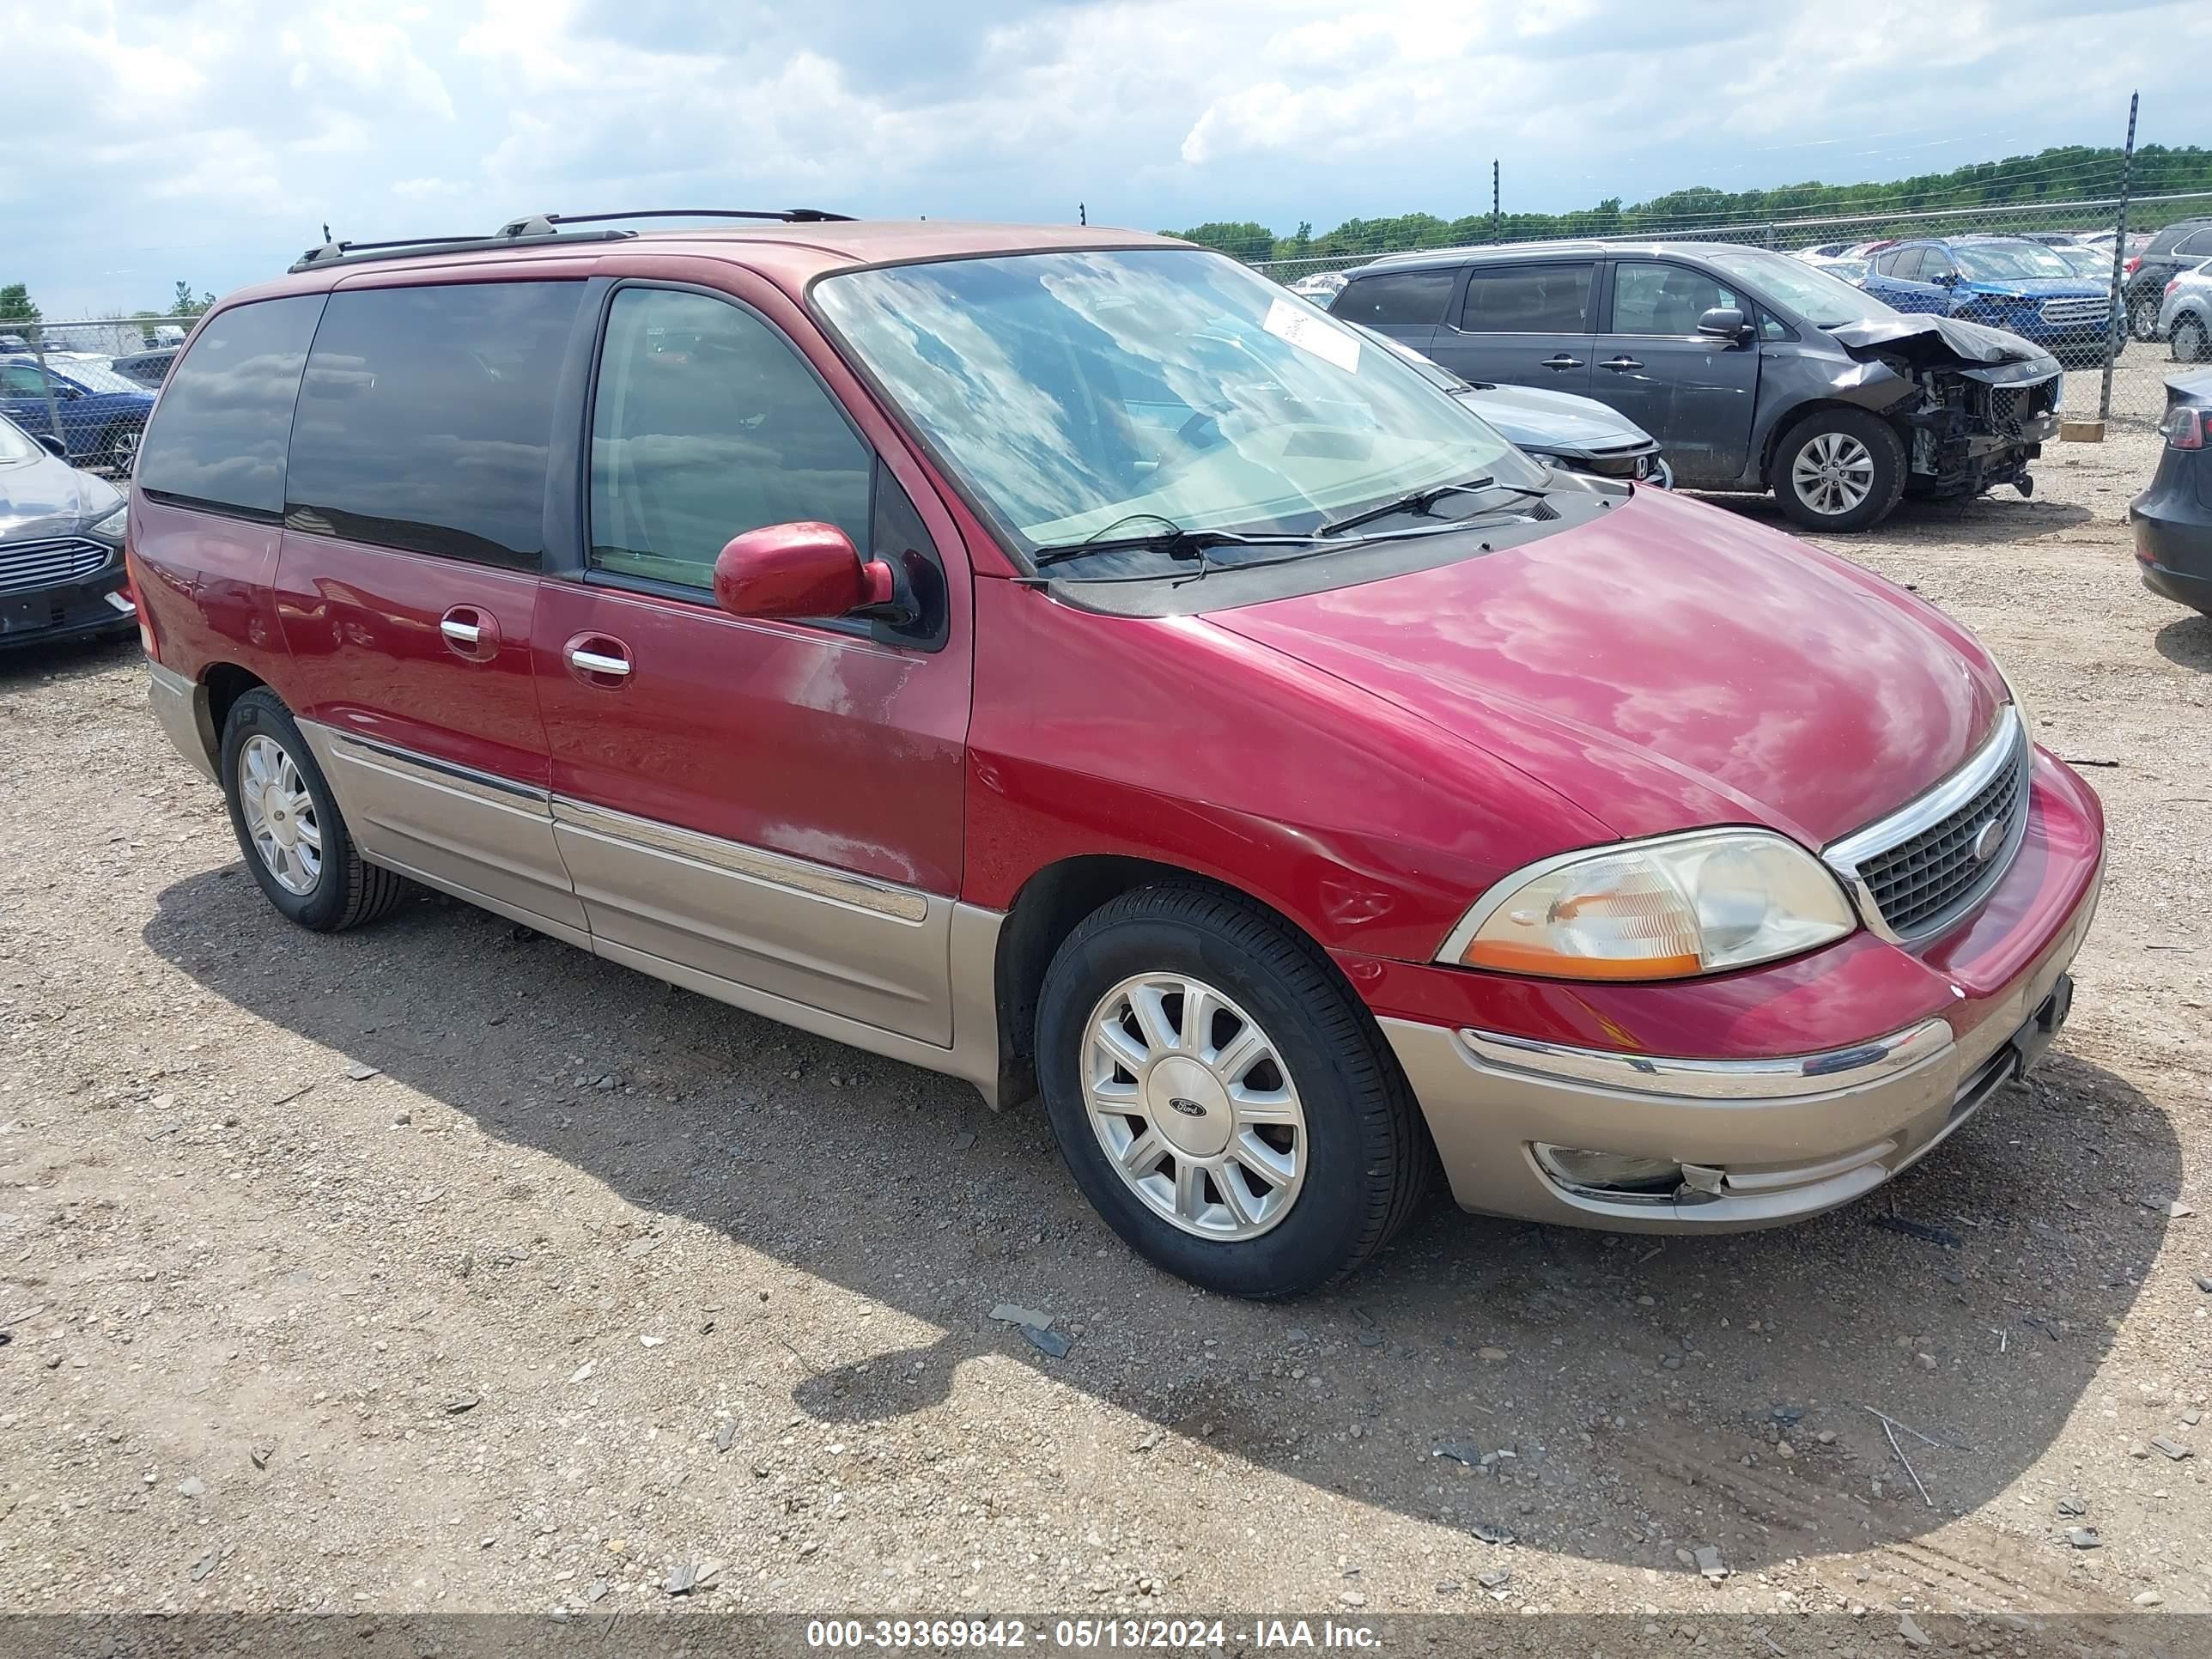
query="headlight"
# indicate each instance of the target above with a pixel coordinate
(1656, 910)
(111, 528)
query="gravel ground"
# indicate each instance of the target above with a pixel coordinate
(430, 1267)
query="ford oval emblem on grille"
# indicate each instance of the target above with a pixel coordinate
(1987, 839)
(1187, 1108)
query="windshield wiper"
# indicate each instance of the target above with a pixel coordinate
(1423, 500)
(1170, 538)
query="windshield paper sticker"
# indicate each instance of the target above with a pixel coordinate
(1289, 320)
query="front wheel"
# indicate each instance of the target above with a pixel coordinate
(295, 841)
(1839, 469)
(1221, 1097)
(2142, 318)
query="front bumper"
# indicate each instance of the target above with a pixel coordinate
(48, 616)
(1760, 1141)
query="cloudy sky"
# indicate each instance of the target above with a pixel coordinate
(210, 139)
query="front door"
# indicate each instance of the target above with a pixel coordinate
(1692, 391)
(1901, 280)
(407, 579)
(1524, 325)
(767, 808)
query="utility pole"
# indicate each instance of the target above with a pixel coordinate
(1082, 214)
(1496, 221)
(2123, 316)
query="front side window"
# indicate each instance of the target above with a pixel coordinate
(23, 381)
(2013, 262)
(1909, 263)
(219, 436)
(707, 423)
(426, 418)
(1411, 298)
(1527, 300)
(1077, 391)
(1650, 298)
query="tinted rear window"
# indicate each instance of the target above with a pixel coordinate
(426, 416)
(1414, 297)
(218, 438)
(1527, 300)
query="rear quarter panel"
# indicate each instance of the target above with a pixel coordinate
(206, 583)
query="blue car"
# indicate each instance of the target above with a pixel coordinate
(102, 413)
(2003, 281)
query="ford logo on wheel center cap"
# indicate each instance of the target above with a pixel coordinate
(1187, 1108)
(1987, 839)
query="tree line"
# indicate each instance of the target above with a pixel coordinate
(20, 314)
(2068, 173)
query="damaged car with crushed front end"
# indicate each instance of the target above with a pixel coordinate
(1752, 370)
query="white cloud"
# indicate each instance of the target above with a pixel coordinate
(213, 138)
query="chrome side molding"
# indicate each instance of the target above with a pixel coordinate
(1821, 1073)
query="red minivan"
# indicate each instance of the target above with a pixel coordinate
(1061, 658)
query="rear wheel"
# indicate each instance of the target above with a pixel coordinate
(1839, 469)
(2192, 338)
(1221, 1097)
(2142, 318)
(295, 839)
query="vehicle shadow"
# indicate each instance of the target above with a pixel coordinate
(1611, 1397)
(2187, 643)
(1993, 518)
(27, 664)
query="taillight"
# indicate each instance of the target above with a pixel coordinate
(2184, 428)
(2171, 286)
(2132, 263)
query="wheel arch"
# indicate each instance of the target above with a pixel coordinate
(1797, 417)
(1049, 906)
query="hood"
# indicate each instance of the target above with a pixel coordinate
(1670, 665)
(1551, 421)
(48, 497)
(2040, 288)
(1925, 340)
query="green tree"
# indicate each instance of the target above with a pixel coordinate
(16, 311)
(185, 305)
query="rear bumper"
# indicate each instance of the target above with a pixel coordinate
(1761, 1142)
(181, 708)
(2173, 545)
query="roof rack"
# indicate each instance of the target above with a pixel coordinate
(539, 228)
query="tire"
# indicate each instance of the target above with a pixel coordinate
(1349, 1155)
(342, 890)
(119, 447)
(2192, 338)
(2142, 318)
(1869, 455)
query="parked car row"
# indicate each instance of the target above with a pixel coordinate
(61, 545)
(1085, 669)
(80, 398)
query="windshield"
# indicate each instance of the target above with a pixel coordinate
(91, 373)
(1820, 299)
(1074, 391)
(15, 444)
(2011, 262)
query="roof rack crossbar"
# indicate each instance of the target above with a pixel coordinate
(537, 228)
(787, 216)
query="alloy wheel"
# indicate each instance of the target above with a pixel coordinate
(2191, 345)
(1193, 1106)
(1832, 474)
(280, 814)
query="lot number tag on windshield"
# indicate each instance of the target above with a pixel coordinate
(1289, 320)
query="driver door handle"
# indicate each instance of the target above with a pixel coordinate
(1563, 362)
(1620, 365)
(597, 659)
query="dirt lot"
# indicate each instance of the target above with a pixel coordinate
(592, 1280)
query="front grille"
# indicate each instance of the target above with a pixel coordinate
(27, 565)
(1918, 870)
(2012, 408)
(2066, 314)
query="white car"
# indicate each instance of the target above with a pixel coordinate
(1321, 287)
(2185, 314)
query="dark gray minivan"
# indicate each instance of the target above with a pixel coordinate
(1754, 371)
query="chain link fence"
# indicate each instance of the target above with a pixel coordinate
(2044, 270)
(84, 388)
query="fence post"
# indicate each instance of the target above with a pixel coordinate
(1769, 235)
(2126, 315)
(46, 382)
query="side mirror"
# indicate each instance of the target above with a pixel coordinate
(1945, 279)
(1724, 322)
(795, 571)
(53, 445)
